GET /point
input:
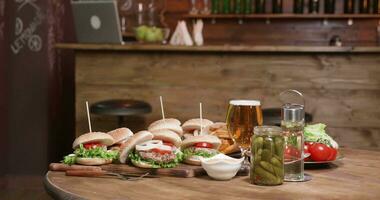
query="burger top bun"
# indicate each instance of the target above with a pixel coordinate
(195, 124)
(139, 137)
(166, 120)
(190, 141)
(120, 135)
(168, 125)
(167, 135)
(93, 137)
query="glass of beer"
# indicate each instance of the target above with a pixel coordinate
(242, 117)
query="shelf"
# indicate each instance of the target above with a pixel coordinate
(217, 48)
(284, 16)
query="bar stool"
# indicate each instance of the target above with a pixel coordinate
(272, 116)
(121, 108)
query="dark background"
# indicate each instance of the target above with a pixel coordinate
(36, 89)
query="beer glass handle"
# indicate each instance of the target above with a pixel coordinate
(294, 92)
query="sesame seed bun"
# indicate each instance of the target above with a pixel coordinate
(167, 135)
(120, 135)
(94, 137)
(167, 124)
(137, 138)
(195, 124)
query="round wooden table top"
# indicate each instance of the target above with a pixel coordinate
(357, 176)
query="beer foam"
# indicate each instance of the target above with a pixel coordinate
(245, 102)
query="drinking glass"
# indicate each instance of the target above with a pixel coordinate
(194, 10)
(242, 117)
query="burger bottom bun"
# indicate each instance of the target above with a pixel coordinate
(141, 164)
(193, 160)
(93, 161)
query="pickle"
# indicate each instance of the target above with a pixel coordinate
(276, 162)
(258, 143)
(279, 172)
(258, 155)
(268, 144)
(266, 155)
(267, 166)
(266, 177)
(279, 145)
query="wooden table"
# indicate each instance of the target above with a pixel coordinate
(356, 177)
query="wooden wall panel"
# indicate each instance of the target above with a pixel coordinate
(341, 90)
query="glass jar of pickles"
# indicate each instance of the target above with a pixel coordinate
(267, 161)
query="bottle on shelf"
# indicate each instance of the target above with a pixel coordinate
(349, 6)
(298, 6)
(238, 6)
(276, 6)
(314, 6)
(260, 6)
(226, 7)
(364, 6)
(215, 6)
(329, 6)
(247, 6)
(376, 6)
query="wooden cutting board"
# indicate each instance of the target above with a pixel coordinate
(182, 170)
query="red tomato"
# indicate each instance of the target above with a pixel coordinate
(333, 153)
(203, 145)
(306, 150)
(319, 152)
(291, 153)
(168, 144)
(91, 145)
(160, 151)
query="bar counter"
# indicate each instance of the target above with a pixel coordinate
(220, 48)
(341, 84)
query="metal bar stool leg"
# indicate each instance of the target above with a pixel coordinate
(120, 120)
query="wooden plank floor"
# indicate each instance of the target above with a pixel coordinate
(22, 187)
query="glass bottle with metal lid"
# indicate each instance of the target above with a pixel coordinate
(292, 124)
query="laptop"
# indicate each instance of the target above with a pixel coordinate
(97, 21)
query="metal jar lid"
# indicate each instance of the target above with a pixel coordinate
(293, 112)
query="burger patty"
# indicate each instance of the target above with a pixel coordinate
(165, 158)
(208, 150)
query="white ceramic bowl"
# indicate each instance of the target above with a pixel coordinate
(221, 167)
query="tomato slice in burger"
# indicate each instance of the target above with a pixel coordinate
(91, 145)
(160, 151)
(203, 145)
(168, 144)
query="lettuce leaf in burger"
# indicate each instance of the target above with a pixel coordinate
(91, 149)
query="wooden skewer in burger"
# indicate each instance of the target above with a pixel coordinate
(91, 148)
(201, 145)
(195, 127)
(166, 123)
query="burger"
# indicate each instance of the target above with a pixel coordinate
(159, 149)
(167, 124)
(195, 147)
(91, 149)
(193, 126)
(119, 136)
